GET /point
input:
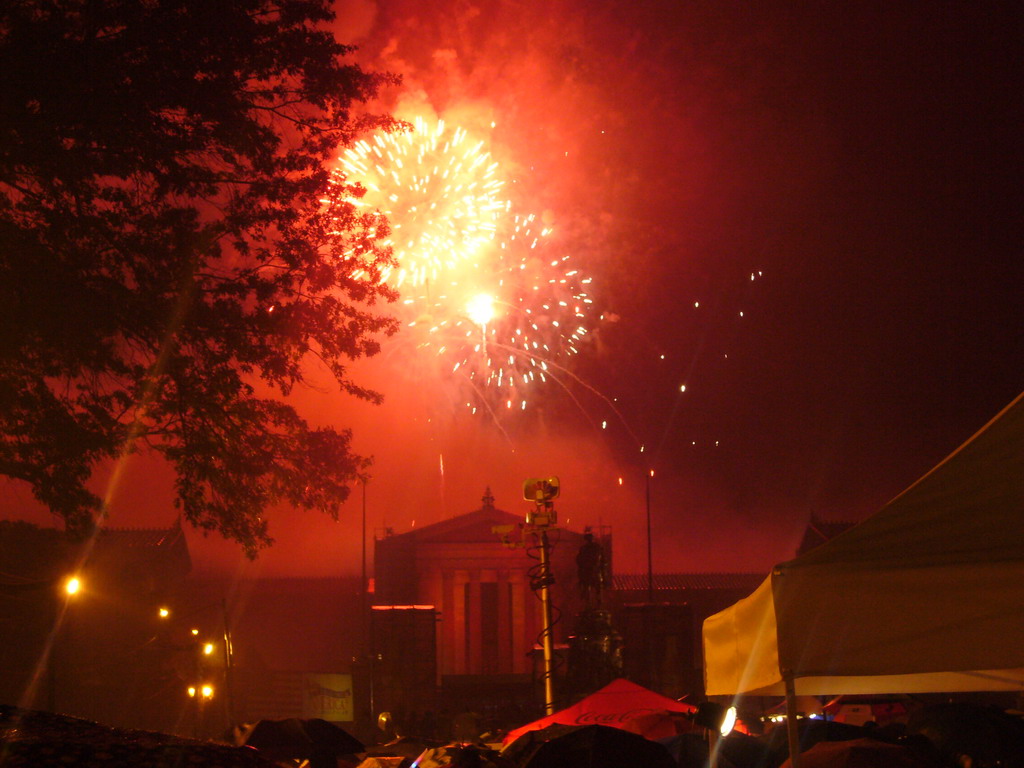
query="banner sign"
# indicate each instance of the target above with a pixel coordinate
(327, 696)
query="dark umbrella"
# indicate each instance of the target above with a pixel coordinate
(989, 736)
(407, 746)
(328, 735)
(586, 746)
(690, 750)
(462, 756)
(811, 731)
(743, 751)
(32, 739)
(301, 739)
(859, 753)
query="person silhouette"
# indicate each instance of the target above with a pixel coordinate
(590, 569)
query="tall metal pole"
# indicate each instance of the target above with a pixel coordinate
(367, 640)
(362, 589)
(792, 732)
(650, 559)
(229, 660)
(546, 637)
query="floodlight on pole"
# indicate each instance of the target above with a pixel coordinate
(540, 519)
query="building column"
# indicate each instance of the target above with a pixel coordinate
(505, 642)
(473, 613)
(522, 640)
(447, 630)
(459, 622)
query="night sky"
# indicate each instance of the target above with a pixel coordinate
(861, 161)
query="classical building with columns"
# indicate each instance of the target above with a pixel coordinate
(477, 571)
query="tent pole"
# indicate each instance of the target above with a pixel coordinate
(791, 725)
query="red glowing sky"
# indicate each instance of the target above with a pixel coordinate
(864, 161)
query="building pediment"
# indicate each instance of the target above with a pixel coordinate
(472, 527)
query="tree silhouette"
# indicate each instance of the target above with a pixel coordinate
(170, 260)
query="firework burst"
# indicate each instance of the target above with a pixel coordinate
(485, 296)
(439, 190)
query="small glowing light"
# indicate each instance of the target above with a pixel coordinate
(164, 612)
(208, 649)
(207, 691)
(604, 425)
(652, 473)
(72, 585)
(481, 309)
(662, 357)
(192, 691)
(620, 481)
(729, 721)
(696, 305)
(741, 314)
(682, 387)
(195, 631)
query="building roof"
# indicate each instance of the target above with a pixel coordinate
(168, 545)
(819, 531)
(675, 581)
(475, 526)
(143, 537)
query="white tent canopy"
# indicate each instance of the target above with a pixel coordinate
(925, 595)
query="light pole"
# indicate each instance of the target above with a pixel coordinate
(205, 691)
(70, 587)
(362, 585)
(650, 559)
(201, 694)
(543, 492)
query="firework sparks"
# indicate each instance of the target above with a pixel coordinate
(482, 293)
(513, 322)
(439, 190)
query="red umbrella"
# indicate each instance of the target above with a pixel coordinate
(615, 705)
(660, 725)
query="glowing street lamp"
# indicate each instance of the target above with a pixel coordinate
(72, 586)
(55, 653)
(205, 651)
(204, 691)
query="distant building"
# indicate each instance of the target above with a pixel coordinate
(489, 616)
(662, 639)
(454, 624)
(478, 573)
